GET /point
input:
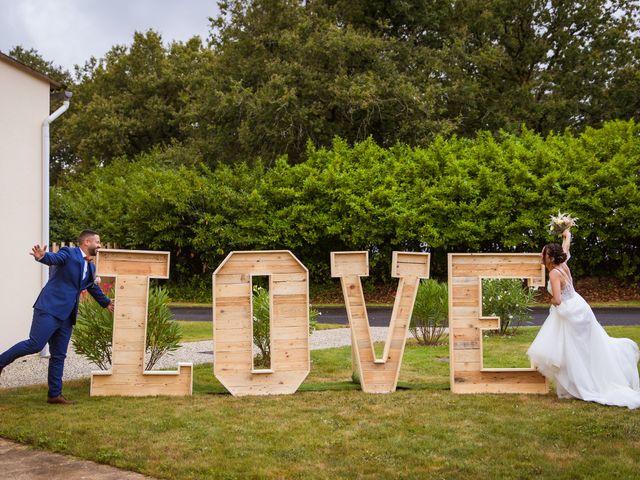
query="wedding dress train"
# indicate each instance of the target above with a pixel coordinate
(575, 351)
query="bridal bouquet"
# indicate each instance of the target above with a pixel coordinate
(559, 223)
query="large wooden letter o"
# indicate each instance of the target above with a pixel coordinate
(233, 325)
(466, 322)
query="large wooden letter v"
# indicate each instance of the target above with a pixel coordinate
(132, 270)
(379, 375)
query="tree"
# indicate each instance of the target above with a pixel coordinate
(132, 101)
(287, 73)
(547, 65)
(277, 74)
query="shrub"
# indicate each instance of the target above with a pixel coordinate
(430, 315)
(163, 334)
(261, 319)
(507, 298)
(500, 189)
(93, 335)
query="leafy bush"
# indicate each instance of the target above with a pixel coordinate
(430, 316)
(509, 299)
(93, 334)
(163, 334)
(483, 194)
(261, 319)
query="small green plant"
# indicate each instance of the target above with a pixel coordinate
(430, 316)
(93, 334)
(261, 319)
(507, 298)
(163, 334)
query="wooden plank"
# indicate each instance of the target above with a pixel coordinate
(469, 355)
(496, 271)
(178, 383)
(514, 375)
(260, 268)
(132, 262)
(240, 278)
(289, 355)
(501, 388)
(237, 290)
(288, 288)
(410, 264)
(489, 323)
(466, 366)
(467, 345)
(350, 263)
(233, 320)
(497, 258)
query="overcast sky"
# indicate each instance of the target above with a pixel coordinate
(69, 32)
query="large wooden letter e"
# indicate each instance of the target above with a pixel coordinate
(132, 270)
(379, 375)
(467, 322)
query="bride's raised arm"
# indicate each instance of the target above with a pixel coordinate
(566, 242)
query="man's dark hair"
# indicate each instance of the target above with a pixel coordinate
(86, 234)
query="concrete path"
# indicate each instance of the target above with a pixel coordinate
(19, 462)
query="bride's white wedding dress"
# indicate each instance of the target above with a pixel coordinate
(575, 351)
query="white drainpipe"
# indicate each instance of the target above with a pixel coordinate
(45, 190)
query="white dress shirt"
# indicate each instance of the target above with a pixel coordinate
(86, 264)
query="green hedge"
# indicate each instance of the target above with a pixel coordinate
(487, 194)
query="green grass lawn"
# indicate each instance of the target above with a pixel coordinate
(197, 331)
(330, 429)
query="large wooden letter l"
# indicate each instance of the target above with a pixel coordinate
(132, 270)
(379, 375)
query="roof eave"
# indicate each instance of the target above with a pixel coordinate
(54, 84)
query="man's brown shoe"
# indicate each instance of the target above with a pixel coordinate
(59, 399)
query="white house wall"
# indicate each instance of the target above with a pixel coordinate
(24, 104)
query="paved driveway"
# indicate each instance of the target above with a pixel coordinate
(379, 316)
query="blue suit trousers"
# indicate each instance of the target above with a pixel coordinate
(45, 328)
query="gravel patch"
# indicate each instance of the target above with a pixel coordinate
(32, 369)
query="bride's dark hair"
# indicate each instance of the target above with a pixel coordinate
(555, 253)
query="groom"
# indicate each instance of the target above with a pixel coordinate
(54, 312)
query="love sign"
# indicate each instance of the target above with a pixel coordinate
(289, 322)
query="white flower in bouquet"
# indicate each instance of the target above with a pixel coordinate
(559, 223)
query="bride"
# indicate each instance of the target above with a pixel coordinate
(574, 350)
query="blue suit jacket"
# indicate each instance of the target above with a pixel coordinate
(61, 294)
